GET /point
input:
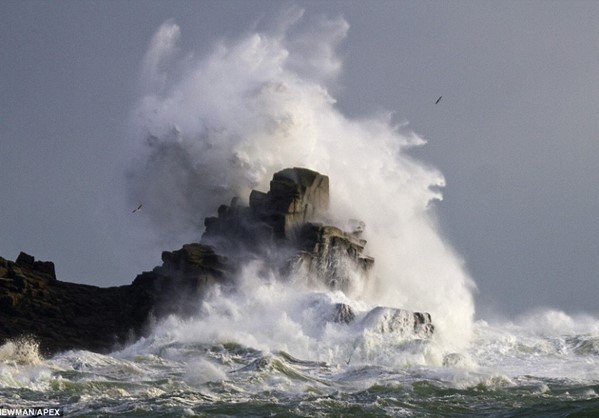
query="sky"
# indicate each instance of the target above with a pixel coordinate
(516, 134)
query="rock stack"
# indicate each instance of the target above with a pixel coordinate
(296, 196)
(291, 218)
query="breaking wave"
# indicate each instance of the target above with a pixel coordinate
(208, 128)
(211, 127)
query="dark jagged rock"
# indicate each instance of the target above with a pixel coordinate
(63, 316)
(331, 255)
(42, 268)
(60, 315)
(289, 218)
(343, 314)
(296, 196)
(285, 217)
(181, 281)
(300, 195)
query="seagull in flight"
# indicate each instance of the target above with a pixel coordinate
(137, 209)
(439, 99)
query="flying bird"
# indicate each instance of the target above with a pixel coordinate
(439, 99)
(137, 209)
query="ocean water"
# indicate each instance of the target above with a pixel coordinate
(211, 126)
(279, 355)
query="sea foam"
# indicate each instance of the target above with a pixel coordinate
(207, 128)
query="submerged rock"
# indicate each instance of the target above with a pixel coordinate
(343, 314)
(385, 320)
(399, 321)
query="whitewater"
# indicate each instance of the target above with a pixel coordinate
(248, 363)
(209, 128)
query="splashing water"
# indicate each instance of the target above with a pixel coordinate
(213, 127)
(20, 351)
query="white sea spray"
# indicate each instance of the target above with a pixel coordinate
(208, 128)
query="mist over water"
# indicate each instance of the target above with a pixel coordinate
(211, 127)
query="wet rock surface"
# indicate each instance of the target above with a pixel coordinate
(296, 196)
(63, 316)
(399, 321)
(290, 218)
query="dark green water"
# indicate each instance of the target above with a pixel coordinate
(262, 385)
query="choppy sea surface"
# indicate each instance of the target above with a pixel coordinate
(245, 359)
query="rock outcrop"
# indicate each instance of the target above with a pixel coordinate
(181, 281)
(296, 196)
(343, 314)
(399, 321)
(290, 218)
(63, 316)
(331, 256)
(384, 320)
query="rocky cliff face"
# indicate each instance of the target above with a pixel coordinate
(296, 196)
(331, 256)
(64, 316)
(291, 218)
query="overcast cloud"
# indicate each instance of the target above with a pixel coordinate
(516, 134)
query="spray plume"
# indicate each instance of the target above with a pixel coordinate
(213, 127)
